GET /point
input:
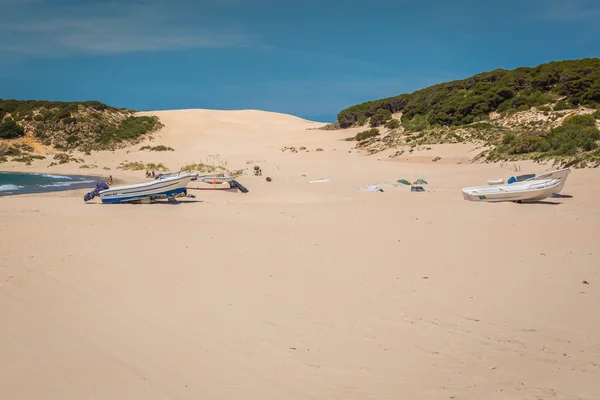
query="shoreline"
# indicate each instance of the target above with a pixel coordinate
(19, 183)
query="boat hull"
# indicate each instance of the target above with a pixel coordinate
(217, 187)
(561, 174)
(521, 192)
(168, 187)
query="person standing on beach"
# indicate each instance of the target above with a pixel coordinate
(109, 183)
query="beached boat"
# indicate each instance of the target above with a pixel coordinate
(561, 174)
(230, 186)
(216, 178)
(526, 191)
(157, 189)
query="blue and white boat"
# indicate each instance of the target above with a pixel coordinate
(157, 189)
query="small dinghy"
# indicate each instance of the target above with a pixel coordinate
(534, 190)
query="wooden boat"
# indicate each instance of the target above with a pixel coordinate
(160, 188)
(525, 191)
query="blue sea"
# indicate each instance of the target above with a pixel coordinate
(21, 183)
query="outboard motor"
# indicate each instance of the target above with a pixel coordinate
(236, 184)
(99, 187)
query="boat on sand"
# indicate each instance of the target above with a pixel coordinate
(561, 174)
(526, 191)
(157, 189)
(230, 186)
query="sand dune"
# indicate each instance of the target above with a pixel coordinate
(299, 290)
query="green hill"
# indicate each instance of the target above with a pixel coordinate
(480, 108)
(83, 126)
(469, 100)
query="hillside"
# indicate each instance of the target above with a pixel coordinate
(535, 113)
(30, 125)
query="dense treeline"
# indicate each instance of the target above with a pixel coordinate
(564, 84)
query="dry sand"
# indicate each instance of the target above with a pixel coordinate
(298, 290)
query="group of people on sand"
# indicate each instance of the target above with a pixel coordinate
(150, 174)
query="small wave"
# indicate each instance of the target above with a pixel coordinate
(7, 187)
(63, 184)
(54, 176)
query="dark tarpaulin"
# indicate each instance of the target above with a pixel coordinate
(99, 187)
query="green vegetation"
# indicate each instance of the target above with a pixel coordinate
(575, 138)
(19, 153)
(64, 158)
(365, 134)
(130, 129)
(566, 83)
(392, 124)
(140, 166)
(51, 110)
(84, 126)
(416, 124)
(380, 117)
(156, 148)
(10, 129)
(201, 168)
(27, 158)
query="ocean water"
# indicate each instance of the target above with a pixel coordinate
(21, 183)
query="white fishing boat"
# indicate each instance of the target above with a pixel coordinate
(525, 191)
(166, 187)
(561, 174)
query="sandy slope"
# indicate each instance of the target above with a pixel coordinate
(298, 290)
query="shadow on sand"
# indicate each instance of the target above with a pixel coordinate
(548, 203)
(163, 202)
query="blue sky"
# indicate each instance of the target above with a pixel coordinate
(308, 58)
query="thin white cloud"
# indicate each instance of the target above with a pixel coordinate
(112, 28)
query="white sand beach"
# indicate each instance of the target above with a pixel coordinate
(298, 290)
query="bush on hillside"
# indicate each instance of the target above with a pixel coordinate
(380, 117)
(392, 124)
(10, 129)
(416, 124)
(577, 133)
(131, 128)
(367, 134)
(563, 105)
